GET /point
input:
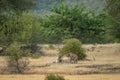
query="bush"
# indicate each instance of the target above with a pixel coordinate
(51, 46)
(17, 60)
(35, 55)
(73, 45)
(54, 77)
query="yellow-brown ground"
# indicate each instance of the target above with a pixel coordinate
(67, 77)
(102, 63)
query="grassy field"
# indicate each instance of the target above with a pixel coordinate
(67, 77)
(102, 63)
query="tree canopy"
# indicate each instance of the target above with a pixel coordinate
(16, 5)
(11, 23)
(113, 8)
(76, 21)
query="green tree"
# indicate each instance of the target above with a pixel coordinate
(16, 58)
(113, 8)
(15, 5)
(24, 28)
(16, 28)
(10, 29)
(75, 46)
(10, 22)
(8, 7)
(30, 32)
(76, 21)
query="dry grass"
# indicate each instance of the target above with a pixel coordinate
(67, 77)
(105, 58)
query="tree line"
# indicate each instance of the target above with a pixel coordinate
(18, 24)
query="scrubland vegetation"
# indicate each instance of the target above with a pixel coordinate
(31, 43)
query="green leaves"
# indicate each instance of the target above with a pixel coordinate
(113, 9)
(15, 28)
(54, 77)
(14, 51)
(16, 5)
(11, 23)
(77, 21)
(75, 46)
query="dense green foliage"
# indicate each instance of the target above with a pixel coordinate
(75, 46)
(113, 8)
(10, 7)
(15, 5)
(11, 23)
(13, 27)
(54, 77)
(76, 21)
(15, 61)
(24, 28)
(66, 21)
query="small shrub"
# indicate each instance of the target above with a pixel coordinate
(73, 45)
(33, 48)
(35, 55)
(17, 60)
(51, 46)
(54, 77)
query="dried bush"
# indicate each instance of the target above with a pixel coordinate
(17, 60)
